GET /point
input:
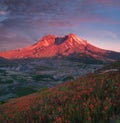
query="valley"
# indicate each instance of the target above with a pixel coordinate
(22, 77)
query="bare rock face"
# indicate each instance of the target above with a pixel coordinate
(52, 46)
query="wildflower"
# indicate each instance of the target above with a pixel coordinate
(105, 108)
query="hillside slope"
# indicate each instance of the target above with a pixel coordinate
(94, 98)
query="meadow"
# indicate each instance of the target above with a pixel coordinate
(93, 98)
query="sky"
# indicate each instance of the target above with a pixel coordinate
(25, 22)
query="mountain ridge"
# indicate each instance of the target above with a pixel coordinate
(54, 46)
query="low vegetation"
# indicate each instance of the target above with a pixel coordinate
(39, 73)
(24, 91)
(114, 66)
(94, 98)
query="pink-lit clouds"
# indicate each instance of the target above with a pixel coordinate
(3, 12)
(32, 19)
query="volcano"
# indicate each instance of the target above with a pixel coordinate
(68, 46)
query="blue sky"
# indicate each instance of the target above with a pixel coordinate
(24, 22)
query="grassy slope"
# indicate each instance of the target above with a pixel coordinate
(95, 98)
(91, 99)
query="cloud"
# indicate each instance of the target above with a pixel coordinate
(3, 15)
(106, 34)
(39, 17)
(110, 34)
(85, 10)
(12, 39)
(110, 3)
(3, 12)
